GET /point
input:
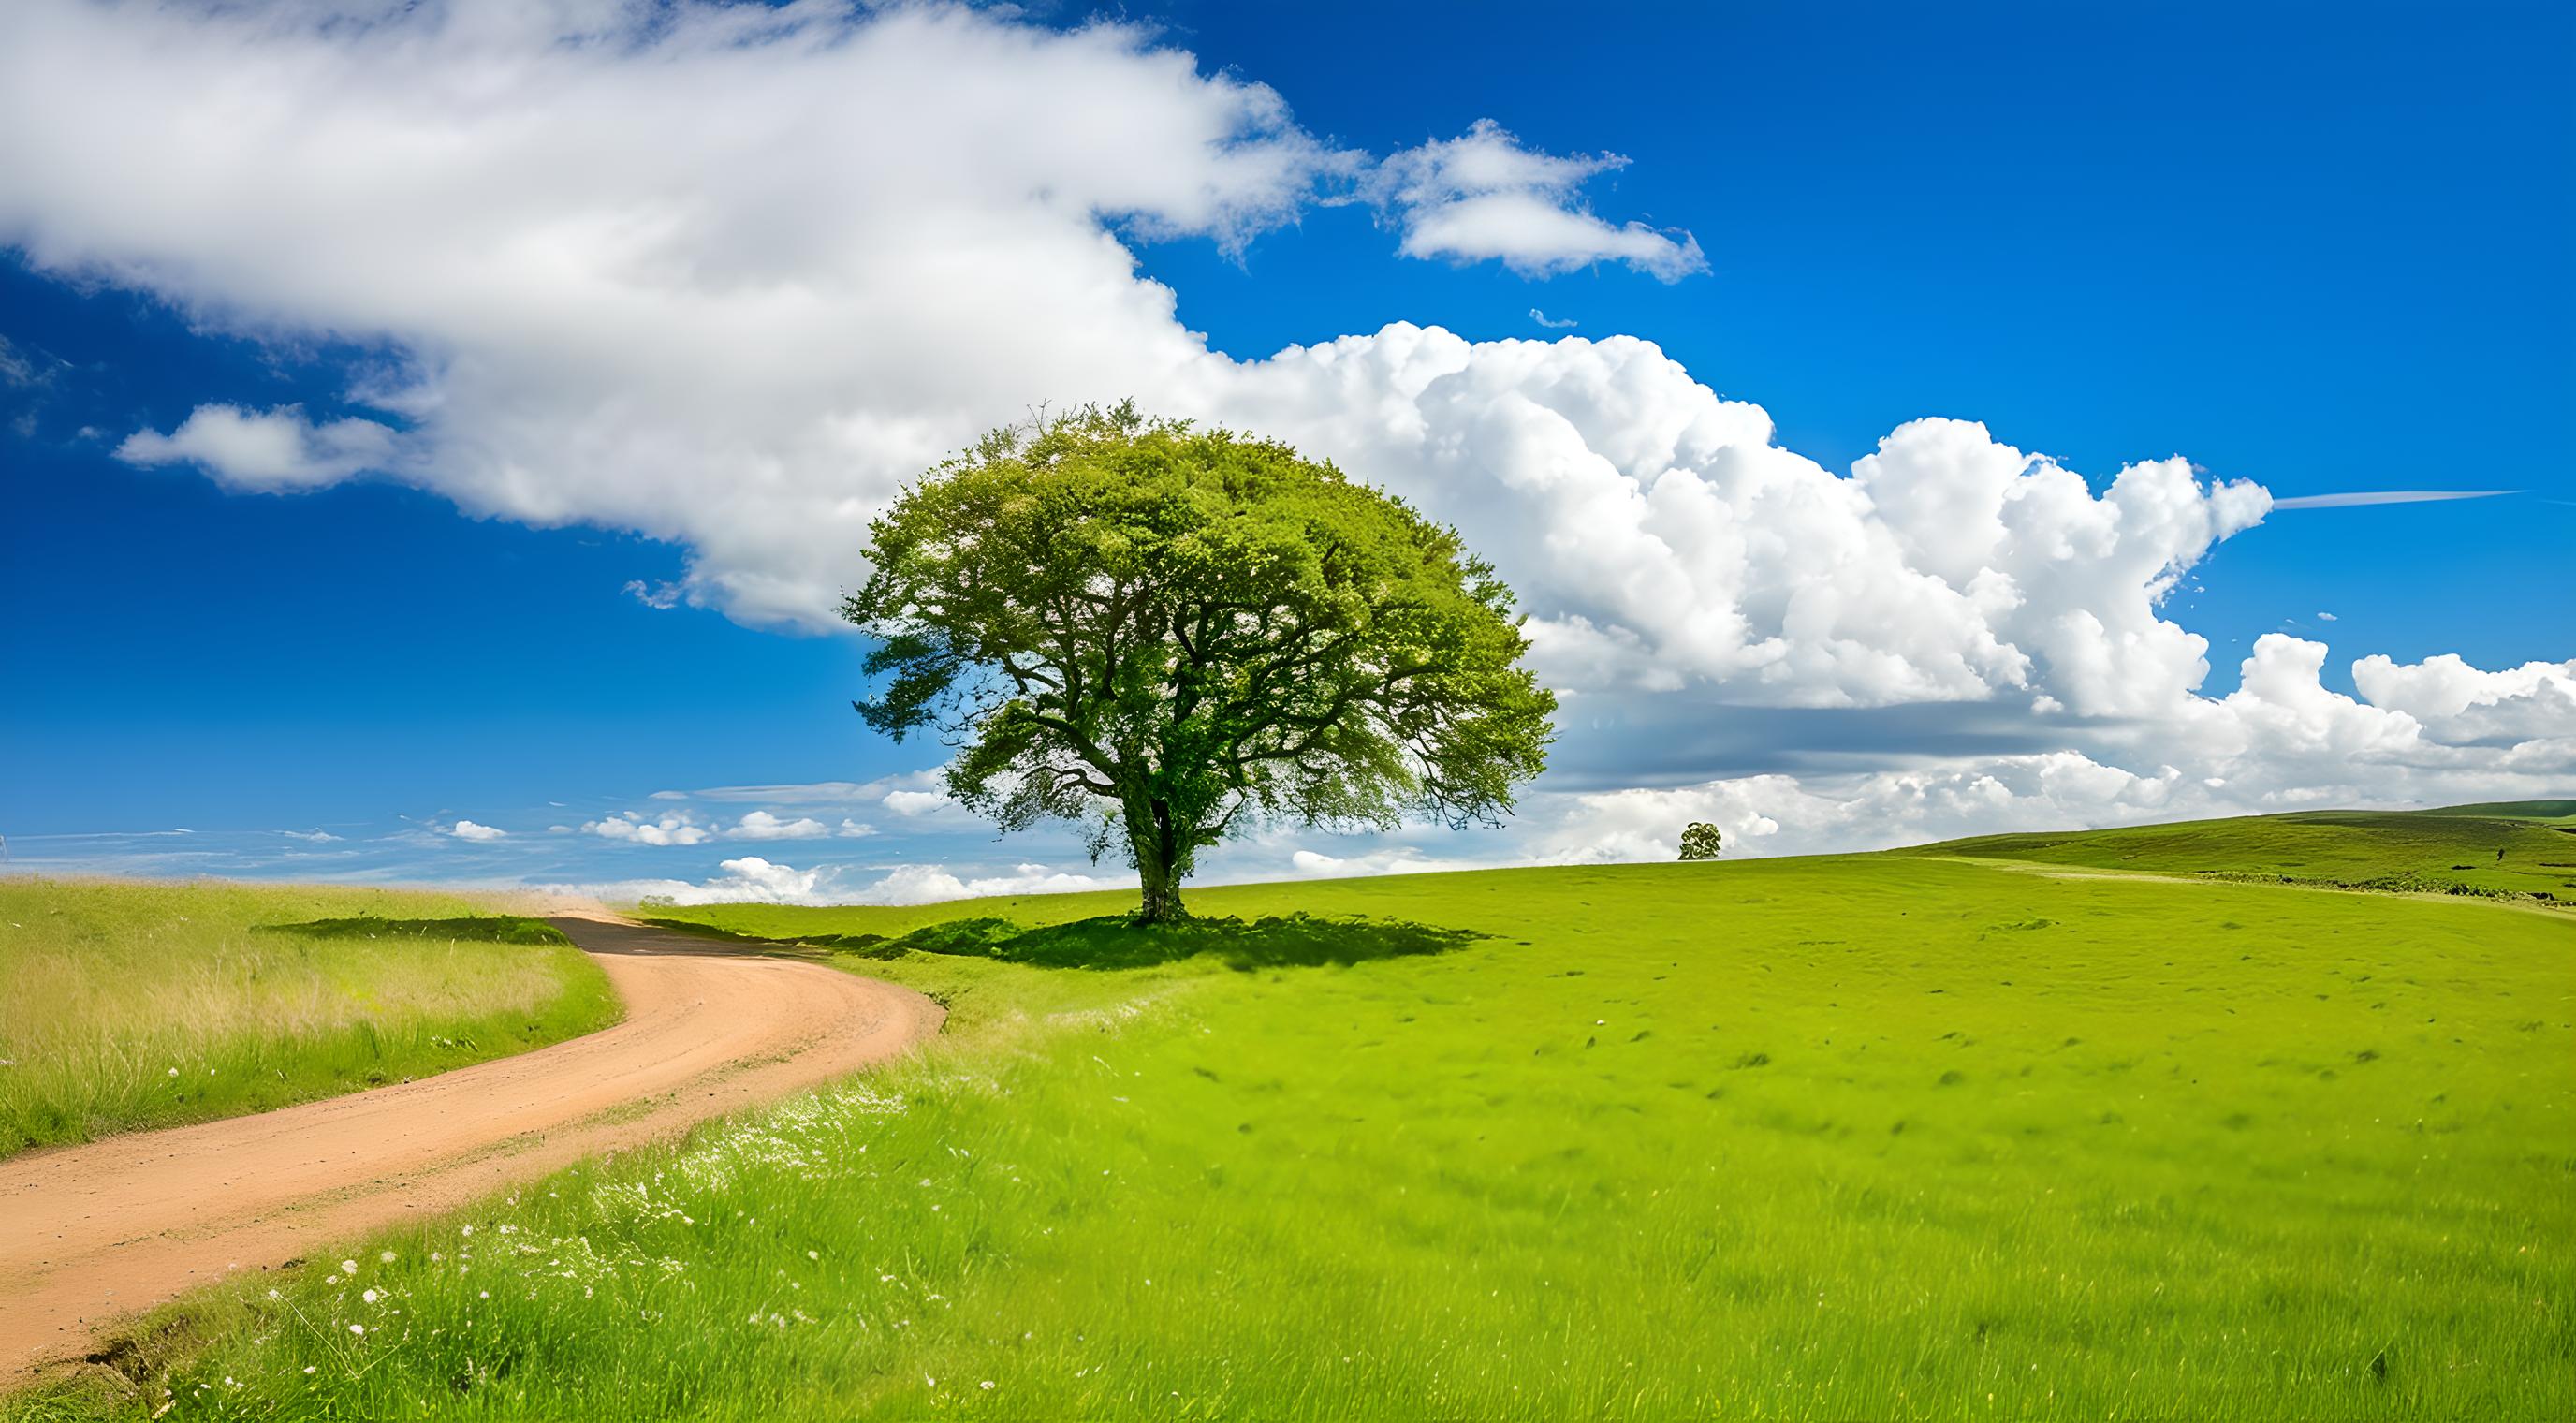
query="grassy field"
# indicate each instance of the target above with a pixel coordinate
(1860, 1137)
(142, 1005)
(2525, 849)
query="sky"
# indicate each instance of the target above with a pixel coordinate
(435, 437)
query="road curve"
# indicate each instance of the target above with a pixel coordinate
(92, 1232)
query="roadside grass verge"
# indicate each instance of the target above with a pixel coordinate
(134, 1005)
(1861, 1137)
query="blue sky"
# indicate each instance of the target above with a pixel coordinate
(2321, 250)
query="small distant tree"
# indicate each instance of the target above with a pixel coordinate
(1169, 633)
(1699, 841)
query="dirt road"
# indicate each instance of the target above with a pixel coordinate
(88, 1233)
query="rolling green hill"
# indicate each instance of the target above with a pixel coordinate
(1884, 1136)
(2562, 811)
(2522, 848)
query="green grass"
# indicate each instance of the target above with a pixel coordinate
(143, 1005)
(2509, 849)
(2559, 811)
(1858, 1137)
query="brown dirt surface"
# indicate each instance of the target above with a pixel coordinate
(93, 1232)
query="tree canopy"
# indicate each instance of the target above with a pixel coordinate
(1700, 841)
(1171, 633)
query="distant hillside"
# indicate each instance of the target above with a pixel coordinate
(2513, 810)
(2506, 849)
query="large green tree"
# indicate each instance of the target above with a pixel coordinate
(1170, 633)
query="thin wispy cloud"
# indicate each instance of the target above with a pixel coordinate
(2385, 496)
(1542, 319)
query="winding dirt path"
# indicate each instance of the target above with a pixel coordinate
(92, 1232)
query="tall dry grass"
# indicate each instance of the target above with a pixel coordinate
(127, 1005)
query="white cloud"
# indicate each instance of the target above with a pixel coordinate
(601, 309)
(1660, 540)
(660, 595)
(468, 830)
(1387, 860)
(266, 451)
(764, 825)
(926, 884)
(749, 880)
(753, 880)
(1542, 319)
(318, 837)
(631, 827)
(809, 793)
(1484, 197)
(683, 827)
(2458, 703)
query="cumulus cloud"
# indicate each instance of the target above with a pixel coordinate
(685, 827)
(753, 880)
(765, 825)
(599, 309)
(1661, 540)
(633, 828)
(2458, 703)
(468, 830)
(926, 884)
(1485, 197)
(272, 451)
(749, 880)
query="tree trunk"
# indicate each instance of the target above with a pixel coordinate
(1155, 852)
(1162, 894)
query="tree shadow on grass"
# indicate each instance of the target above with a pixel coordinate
(1116, 942)
(478, 929)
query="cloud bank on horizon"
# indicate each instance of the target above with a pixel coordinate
(593, 305)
